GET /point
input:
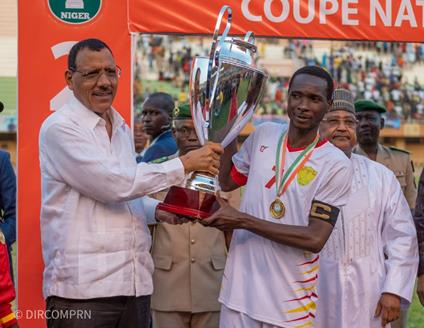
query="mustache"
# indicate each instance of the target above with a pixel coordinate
(341, 135)
(104, 88)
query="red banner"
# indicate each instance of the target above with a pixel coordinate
(391, 20)
(47, 30)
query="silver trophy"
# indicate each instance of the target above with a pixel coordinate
(225, 90)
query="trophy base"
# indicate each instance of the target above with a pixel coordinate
(189, 203)
(202, 182)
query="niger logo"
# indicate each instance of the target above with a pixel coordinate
(306, 175)
(75, 11)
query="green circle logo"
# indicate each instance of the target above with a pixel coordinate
(75, 11)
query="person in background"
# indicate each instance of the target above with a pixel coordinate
(370, 122)
(189, 258)
(156, 117)
(94, 217)
(140, 140)
(368, 265)
(7, 202)
(7, 291)
(419, 224)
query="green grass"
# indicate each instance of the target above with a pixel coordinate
(8, 94)
(416, 314)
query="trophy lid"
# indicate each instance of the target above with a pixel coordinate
(238, 50)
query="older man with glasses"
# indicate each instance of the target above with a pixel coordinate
(93, 221)
(368, 265)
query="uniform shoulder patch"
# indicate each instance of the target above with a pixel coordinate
(400, 150)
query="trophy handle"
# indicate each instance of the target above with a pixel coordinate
(214, 54)
(250, 37)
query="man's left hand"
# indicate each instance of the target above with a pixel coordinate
(226, 218)
(388, 307)
(170, 218)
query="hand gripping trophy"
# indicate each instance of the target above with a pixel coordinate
(225, 90)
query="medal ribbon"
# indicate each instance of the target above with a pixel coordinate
(282, 182)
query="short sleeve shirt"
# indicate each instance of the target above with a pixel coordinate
(268, 281)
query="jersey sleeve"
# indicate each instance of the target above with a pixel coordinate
(336, 189)
(242, 159)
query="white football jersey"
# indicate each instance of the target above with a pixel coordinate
(268, 281)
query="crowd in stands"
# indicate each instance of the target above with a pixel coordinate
(371, 70)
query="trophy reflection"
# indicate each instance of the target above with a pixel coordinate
(225, 90)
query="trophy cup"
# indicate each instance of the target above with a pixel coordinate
(225, 90)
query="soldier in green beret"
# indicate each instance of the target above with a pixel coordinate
(368, 113)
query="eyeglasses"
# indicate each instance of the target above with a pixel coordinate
(334, 122)
(94, 75)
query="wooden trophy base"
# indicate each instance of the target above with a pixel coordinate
(189, 203)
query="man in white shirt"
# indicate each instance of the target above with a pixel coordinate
(295, 183)
(368, 265)
(94, 235)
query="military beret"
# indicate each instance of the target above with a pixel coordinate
(361, 105)
(182, 112)
(342, 100)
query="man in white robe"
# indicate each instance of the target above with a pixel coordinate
(369, 264)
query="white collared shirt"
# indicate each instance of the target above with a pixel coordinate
(94, 235)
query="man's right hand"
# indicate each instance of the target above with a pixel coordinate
(204, 159)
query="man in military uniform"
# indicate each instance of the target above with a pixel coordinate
(370, 122)
(368, 113)
(189, 258)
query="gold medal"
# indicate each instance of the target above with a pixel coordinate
(284, 177)
(277, 209)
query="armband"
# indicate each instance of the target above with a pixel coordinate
(325, 212)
